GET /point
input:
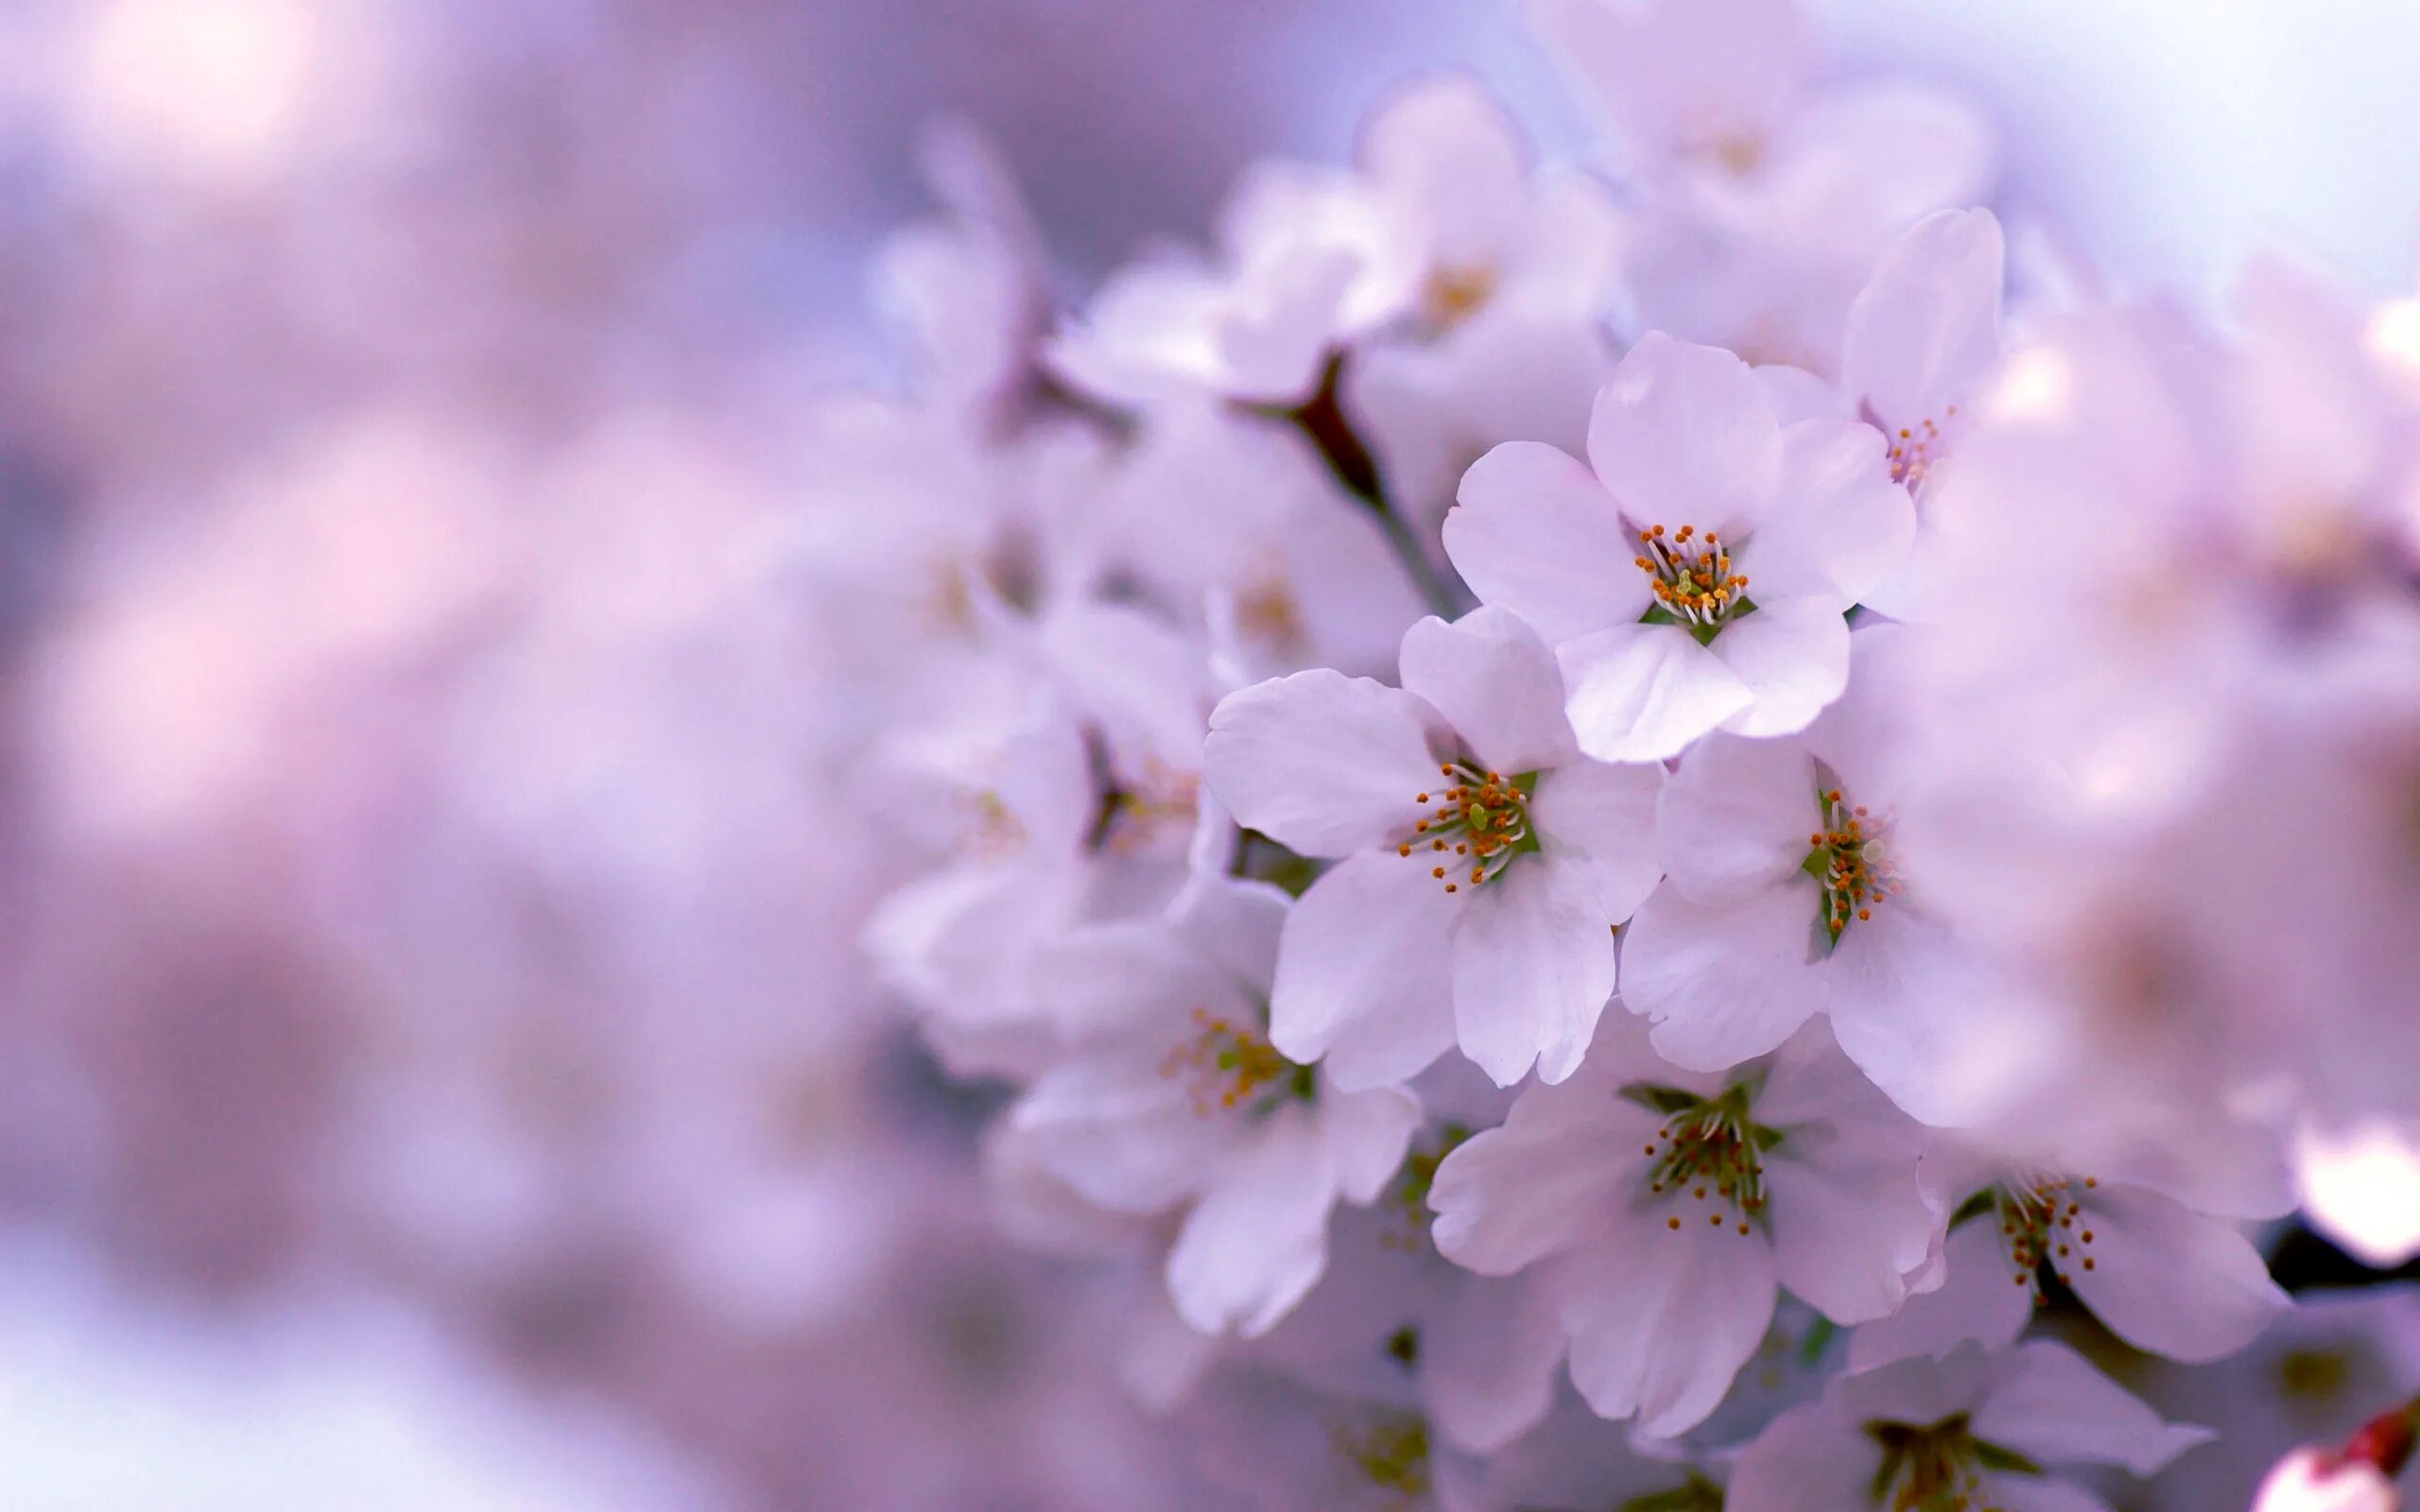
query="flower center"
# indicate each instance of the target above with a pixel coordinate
(1939, 1467)
(1848, 862)
(1230, 1066)
(2042, 1223)
(1476, 825)
(1165, 800)
(1710, 1148)
(1915, 448)
(1391, 1452)
(1453, 295)
(1269, 612)
(1691, 578)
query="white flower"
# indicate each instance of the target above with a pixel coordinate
(1762, 199)
(1393, 1321)
(1211, 502)
(1173, 1098)
(1309, 257)
(2361, 1187)
(1483, 861)
(2315, 1480)
(2164, 1278)
(1923, 339)
(1503, 336)
(1668, 1206)
(1697, 580)
(1289, 1449)
(1974, 1433)
(1784, 894)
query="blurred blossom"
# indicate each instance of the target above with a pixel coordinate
(775, 755)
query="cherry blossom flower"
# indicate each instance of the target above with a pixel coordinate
(1503, 335)
(1483, 861)
(2167, 1280)
(1173, 1098)
(1763, 196)
(1698, 579)
(1921, 342)
(1668, 1207)
(1784, 895)
(1973, 1431)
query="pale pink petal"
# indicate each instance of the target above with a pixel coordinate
(1534, 965)
(1682, 436)
(1117, 1131)
(1513, 1194)
(1925, 329)
(1534, 532)
(2051, 1406)
(1838, 525)
(1793, 658)
(1487, 1363)
(1321, 762)
(1447, 153)
(1722, 983)
(1641, 693)
(1806, 1460)
(1984, 1298)
(2169, 1281)
(1371, 942)
(1739, 816)
(1663, 1331)
(1602, 818)
(1368, 1133)
(1496, 683)
(1257, 1242)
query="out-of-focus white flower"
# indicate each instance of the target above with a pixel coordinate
(1208, 502)
(1483, 861)
(1763, 199)
(1974, 1430)
(1284, 1447)
(1173, 1098)
(1698, 577)
(1923, 339)
(1713, 1191)
(2313, 1378)
(1308, 257)
(2361, 1188)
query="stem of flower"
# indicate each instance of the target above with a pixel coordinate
(1322, 418)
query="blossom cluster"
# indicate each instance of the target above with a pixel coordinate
(1669, 832)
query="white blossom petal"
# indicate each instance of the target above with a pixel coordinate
(1738, 815)
(1369, 944)
(1534, 532)
(1534, 965)
(1321, 762)
(1794, 658)
(1723, 983)
(1496, 683)
(1257, 1242)
(2051, 1406)
(2169, 1281)
(1925, 328)
(1682, 436)
(1602, 818)
(1641, 693)
(1664, 1332)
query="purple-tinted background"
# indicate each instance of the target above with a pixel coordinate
(433, 1066)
